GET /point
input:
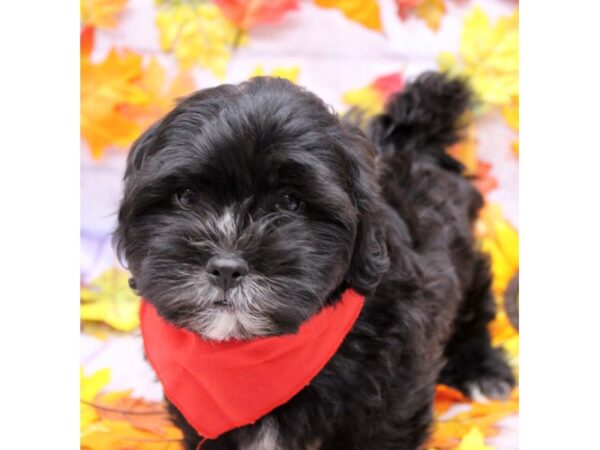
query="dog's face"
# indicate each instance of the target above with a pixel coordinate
(246, 208)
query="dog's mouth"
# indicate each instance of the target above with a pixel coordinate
(223, 303)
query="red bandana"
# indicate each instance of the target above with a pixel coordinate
(219, 386)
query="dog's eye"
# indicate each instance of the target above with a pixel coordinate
(290, 202)
(185, 197)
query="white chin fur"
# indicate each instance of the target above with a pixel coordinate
(230, 324)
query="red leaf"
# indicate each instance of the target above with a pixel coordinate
(86, 40)
(387, 85)
(247, 13)
(406, 6)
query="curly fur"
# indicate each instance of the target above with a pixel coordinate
(391, 220)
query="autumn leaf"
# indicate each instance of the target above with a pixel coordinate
(105, 88)
(510, 112)
(406, 7)
(446, 397)
(246, 14)
(501, 241)
(101, 13)
(198, 34)
(365, 12)
(474, 440)
(142, 414)
(483, 179)
(162, 95)
(109, 299)
(122, 435)
(289, 73)
(86, 41)
(465, 151)
(89, 387)
(432, 12)
(116, 421)
(489, 56)
(371, 99)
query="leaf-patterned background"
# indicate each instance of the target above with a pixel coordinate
(137, 56)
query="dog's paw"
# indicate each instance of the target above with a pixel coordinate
(488, 388)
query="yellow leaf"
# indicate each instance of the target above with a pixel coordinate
(110, 300)
(289, 73)
(198, 34)
(101, 13)
(366, 98)
(473, 440)
(501, 241)
(515, 148)
(89, 388)
(511, 113)
(490, 56)
(122, 435)
(431, 11)
(365, 12)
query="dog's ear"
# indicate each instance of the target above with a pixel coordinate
(370, 256)
(138, 153)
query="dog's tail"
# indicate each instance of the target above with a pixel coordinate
(425, 118)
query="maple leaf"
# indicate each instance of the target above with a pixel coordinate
(246, 14)
(122, 435)
(365, 12)
(86, 40)
(289, 73)
(489, 56)
(198, 34)
(432, 12)
(105, 87)
(405, 7)
(371, 99)
(140, 413)
(510, 112)
(162, 96)
(465, 151)
(474, 440)
(109, 299)
(445, 397)
(89, 387)
(501, 241)
(101, 13)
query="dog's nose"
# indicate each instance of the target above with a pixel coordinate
(226, 271)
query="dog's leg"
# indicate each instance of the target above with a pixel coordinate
(473, 365)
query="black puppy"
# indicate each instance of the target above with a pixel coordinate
(247, 208)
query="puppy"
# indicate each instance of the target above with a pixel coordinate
(263, 178)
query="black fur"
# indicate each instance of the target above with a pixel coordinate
(392, 221)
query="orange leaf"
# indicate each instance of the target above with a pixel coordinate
(247, 13)
(101, 13)
(140, 413)
(445, 397)
(365, 12)
(121, 435)
(484, 180)
(120, 97)
(431, 11)
(105, 87)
